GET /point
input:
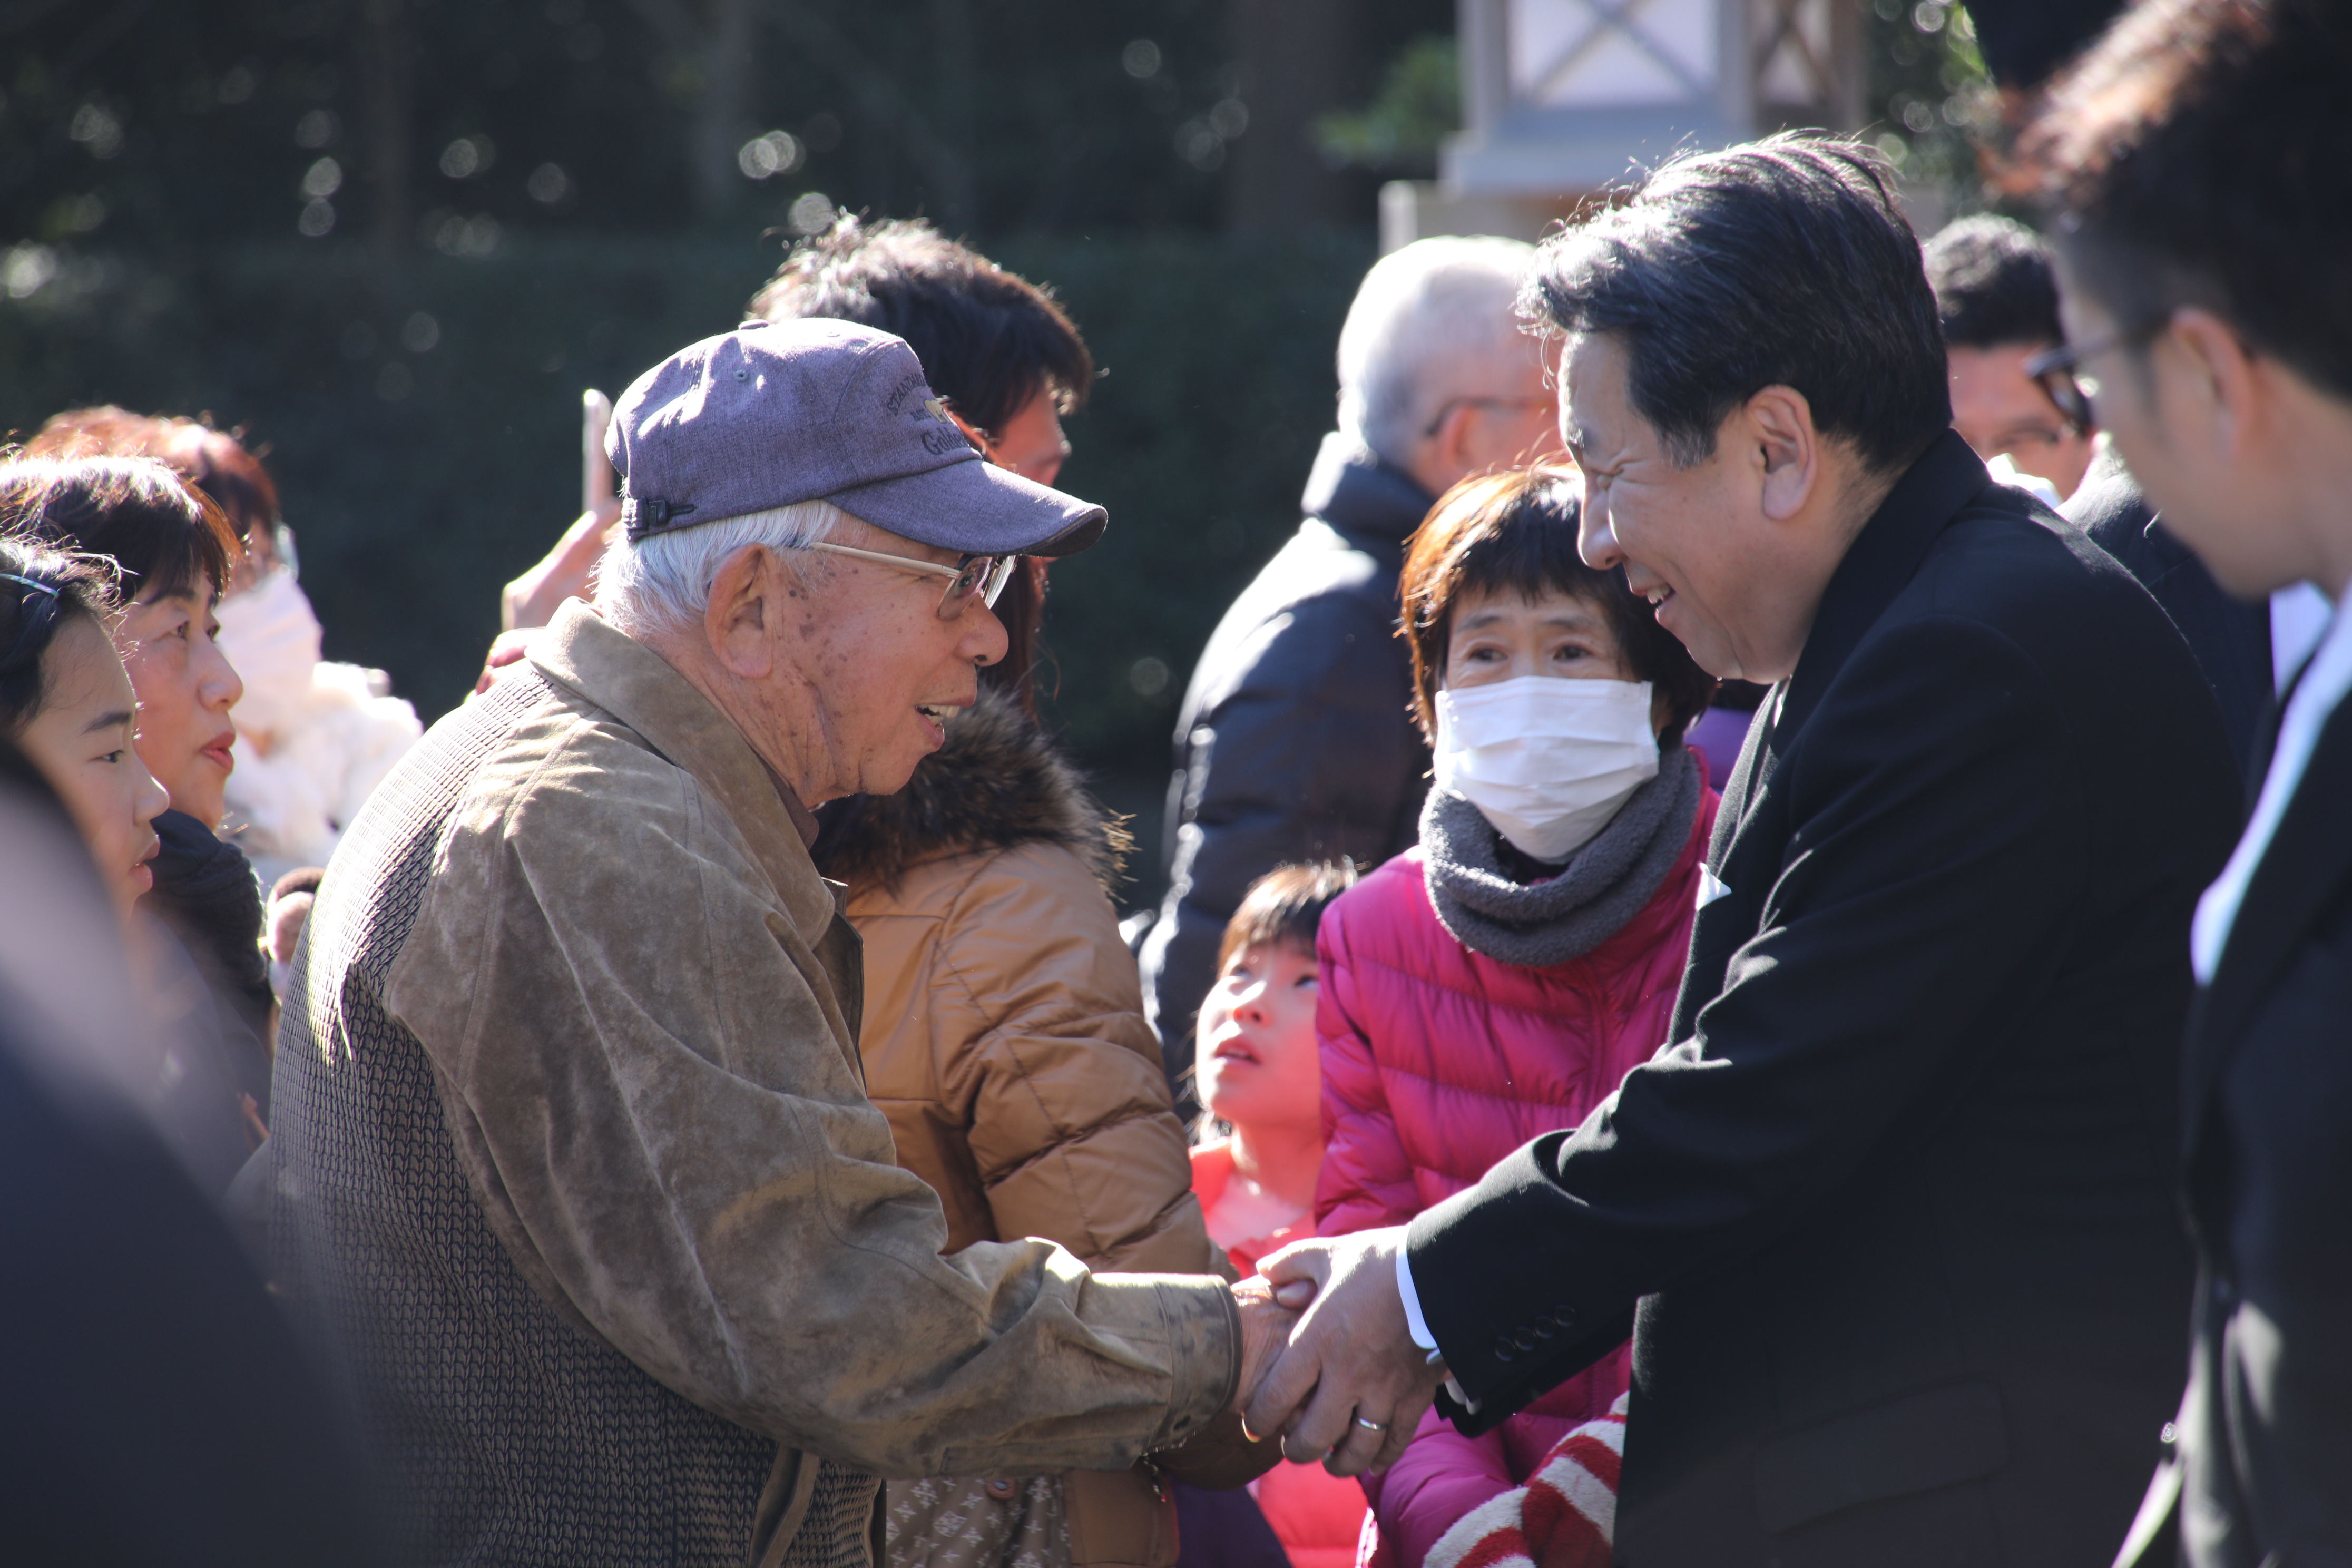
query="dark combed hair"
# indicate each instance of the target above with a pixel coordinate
(1784, 262)
(989, 340)
(216, 461)
(2200, 154)
(163, 537)
(1516, 533)
(1284, 906)
(41, 589)
(1994, 283)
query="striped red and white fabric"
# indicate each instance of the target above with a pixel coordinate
(1563, 1517)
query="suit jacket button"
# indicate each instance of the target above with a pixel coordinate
(1504, 1348)
(1564, 1316)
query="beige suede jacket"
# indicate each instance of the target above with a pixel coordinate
(641, 1002)
(1004, 1038)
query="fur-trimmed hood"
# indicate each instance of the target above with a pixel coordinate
(998, 783)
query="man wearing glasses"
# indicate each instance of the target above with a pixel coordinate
(1293, 741)
(2248, 650)
(1998, 300)
(2202, 235)
(576, 1179)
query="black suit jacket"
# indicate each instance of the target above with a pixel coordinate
(2266, 1431)
(1896, 1201)
(2230, 638)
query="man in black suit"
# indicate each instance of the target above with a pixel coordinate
(2198, 158)
(1890, 1214)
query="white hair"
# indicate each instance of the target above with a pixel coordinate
(1429, 322)
(662, 583)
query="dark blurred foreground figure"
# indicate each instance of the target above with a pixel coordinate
(2200, 163)
(1004, 1034)
(1293, 742)
(573, 1169)
(1890, 1216)
(157, 1411)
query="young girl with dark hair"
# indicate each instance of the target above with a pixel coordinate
(67, 703)
(1255, 1059)
(1495, 981)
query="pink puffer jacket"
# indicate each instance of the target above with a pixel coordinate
(1437, 1061)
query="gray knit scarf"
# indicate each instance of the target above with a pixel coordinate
(1602, 886)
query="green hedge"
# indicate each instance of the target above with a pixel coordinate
(412, 511)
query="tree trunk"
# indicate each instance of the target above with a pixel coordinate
(1297, 61)
(722, 120)
(388, 73)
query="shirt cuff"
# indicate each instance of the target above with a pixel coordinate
(1418, 1327)
(1414, 1323)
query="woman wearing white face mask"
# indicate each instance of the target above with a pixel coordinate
(1495, 981)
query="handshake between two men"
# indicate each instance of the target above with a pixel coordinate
(1328, 1356)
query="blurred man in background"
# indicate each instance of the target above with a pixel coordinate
(1294, 741)
(2202, 162)
(1997, 299)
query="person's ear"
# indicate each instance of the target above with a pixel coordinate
(1449, 450)
(1787, 450)
(746, 596)
(2221, 385)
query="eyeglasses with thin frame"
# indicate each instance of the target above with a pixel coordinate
(980, 577)
(2057, 371)
(1451, 404)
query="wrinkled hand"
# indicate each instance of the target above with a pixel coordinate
(1350, 1360)
(1266, 1323)
(530, 600)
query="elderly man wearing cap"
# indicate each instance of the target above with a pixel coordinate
(573, 1177)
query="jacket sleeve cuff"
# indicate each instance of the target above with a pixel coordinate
(1204, 1328)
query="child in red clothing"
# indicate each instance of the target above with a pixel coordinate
(1259, 1079)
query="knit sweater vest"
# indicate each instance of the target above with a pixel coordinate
(500, 1433)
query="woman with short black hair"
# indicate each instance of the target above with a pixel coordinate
(1495, 981)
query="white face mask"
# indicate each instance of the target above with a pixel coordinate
(271, 639)
(1547, 760)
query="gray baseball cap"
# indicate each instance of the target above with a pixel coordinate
(774, 413)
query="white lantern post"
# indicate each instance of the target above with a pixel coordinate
(1563, 99)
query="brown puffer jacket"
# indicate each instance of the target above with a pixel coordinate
(1004, 1038)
